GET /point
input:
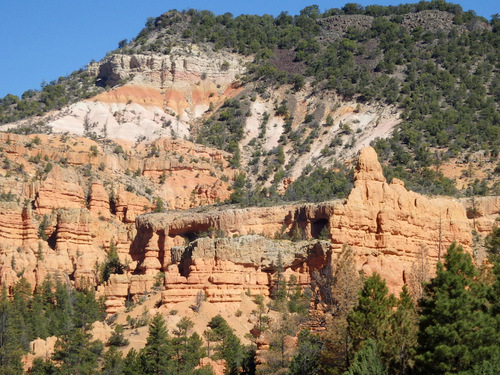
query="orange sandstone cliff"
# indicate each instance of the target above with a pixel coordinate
(385, 224)
(64, 221)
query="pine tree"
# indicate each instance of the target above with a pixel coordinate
(113, 363)
(112, 263)
(41, 367)
(307, 359)
(156, 355)
(117, 339)
(367, 361)
(20, 314)
(86, 308)
(76, 353)
(420, 274)
(188, 349)
(403, 338)
(10, 353)
(279, 285)
(492, 243)
(227, 344)
(339, 283)
(63, 310)
(38, 319)
(132, 363)
(278, 358)
(371, 318)
(456, 332)
(298, 302)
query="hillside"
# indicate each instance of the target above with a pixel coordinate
(314, 88)
(237, 179)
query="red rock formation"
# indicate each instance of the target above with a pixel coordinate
(39, 348)
(129, 205)
(59, 190)
(222, 270)
(99, 201)
(384, 223)
(218, 367)
(482, 211)
(16, 226)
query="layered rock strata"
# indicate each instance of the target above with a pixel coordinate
(223, 269)
(386, 225)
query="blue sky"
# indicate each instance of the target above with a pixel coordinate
(45, 39)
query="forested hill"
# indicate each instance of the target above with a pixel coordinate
(435, 63)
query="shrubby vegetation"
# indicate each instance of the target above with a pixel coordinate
(313, 185)
(54, 95)
(320, 185)
(444, 80)
(226, 130)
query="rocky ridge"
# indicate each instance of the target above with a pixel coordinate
(65, 200)
(384, 223)
(155, 96)
(71, 222)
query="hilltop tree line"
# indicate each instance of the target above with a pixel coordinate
(445, 81)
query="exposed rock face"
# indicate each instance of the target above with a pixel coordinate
(162, 94)
(129, 205)
(39, 348)
(433, 20)
(99, 201)
(74, 238)
(482, 211)
(16, 227)
(68, 199)
(184, 81)
(218, 367)
(223, 269)
(23, 254)
(163, 71)
(384, 223)
(387, 224)
(59, 190)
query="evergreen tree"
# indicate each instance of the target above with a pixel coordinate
(41, 367)
(20, 315)
(227, 344)
(10, 353)
(403, 338)
(86, 308)
(63, 310)
(420, 274)
(338, 283)
(307, 359)
(117, 339)
(132, 363)
(113, 363)
(367, 361)
(112, 263)
(76, 353)
(187, 349)
(278, 358)
(279, 285)
(371, 318)
(492, 243)
(298, 302)
(38, 318)
(456, 331)
(156, 355)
